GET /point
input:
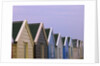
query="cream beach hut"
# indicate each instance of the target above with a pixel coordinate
(70, 47)
(22, 46)
(81, 50)
(75, 43)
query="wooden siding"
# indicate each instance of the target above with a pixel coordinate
(20, 44)
(65, 49)
(81, 50)
(51, 46)
(14, 50)
(37, 48)
(70, 53)
(70, 48)
(75, 53)
(59, 49)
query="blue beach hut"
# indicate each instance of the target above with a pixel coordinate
(51, 42)
(65, 48)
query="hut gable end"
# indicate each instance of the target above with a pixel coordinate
(24, 40)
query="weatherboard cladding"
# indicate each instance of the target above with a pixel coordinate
(51, 43)
(41, 42)
(38, 47)
(65, 48)
(15, 28)
(74, 41)
(59, 46)
(75, 49)
(18, 48)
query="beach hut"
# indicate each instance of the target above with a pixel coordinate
(70, 47)
(75, 43)
(65, 48)
(22, 46)
(81, 50)
(58, 46)
(51, 42)
(40, 40)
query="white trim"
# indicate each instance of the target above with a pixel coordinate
(20, 31)
(70, 42)
(65, 41)
(38, 33)
(58, 39)
(29, 33)
(45, 33)
(77, 43)
(50, 34)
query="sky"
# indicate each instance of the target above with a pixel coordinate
(68, 20)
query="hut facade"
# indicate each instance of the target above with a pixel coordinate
(22, 46)
(40, 40)
(70, 47)
(58, 46)
(51, 43)
(81, 50)
(65, 48)
(75, 43)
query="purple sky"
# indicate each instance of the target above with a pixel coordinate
(68, 20)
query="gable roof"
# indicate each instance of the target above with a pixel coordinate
(74, 42)
(15, 28)
(56, 37)
(34, 29)
(18, 27)
(63, 40)
(68, 39)
(47, 32)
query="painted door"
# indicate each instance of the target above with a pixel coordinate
(51, 53)
(60, 53)
(42, 51)
(25, 50)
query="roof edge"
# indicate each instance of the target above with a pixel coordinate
(58, 38)
(20, 31)
(50, 34)
(65, 41)
(38, 32)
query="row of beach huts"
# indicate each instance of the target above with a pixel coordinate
(34, 41)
